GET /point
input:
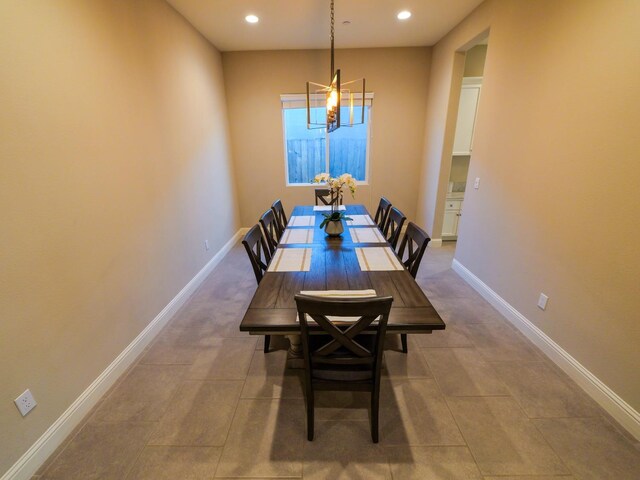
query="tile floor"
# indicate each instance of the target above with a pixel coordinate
(476, 401)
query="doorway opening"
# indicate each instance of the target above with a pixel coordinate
(463, 141)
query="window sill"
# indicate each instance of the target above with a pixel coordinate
(321, 185)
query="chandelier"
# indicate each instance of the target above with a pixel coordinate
(337, 104)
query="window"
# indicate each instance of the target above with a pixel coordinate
(309, 152)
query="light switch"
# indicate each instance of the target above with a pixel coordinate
(476, 184)
(542, 301)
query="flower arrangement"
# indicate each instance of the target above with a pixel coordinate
(336, 184)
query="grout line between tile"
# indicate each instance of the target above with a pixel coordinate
(566, 465)
(235, 411)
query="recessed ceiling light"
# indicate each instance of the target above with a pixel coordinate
(251, 19)
(403, 15)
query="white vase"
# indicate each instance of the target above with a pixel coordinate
(334, 228)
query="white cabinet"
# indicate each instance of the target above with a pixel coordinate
(452, 214)
(467, 108)
(450, 225)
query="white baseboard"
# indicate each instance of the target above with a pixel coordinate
(620, 410)
(435, 242)
(33, 458)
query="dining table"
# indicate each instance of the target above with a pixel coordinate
(307, 259)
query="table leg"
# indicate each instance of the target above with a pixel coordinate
(294, 355)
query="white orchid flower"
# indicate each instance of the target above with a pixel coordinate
(321, 177)
(336, 183)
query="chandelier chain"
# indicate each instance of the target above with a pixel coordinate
(332, 36)
(332, 20)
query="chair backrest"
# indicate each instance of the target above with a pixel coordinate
(343, 347)
(258, 252)
(271, 230)
(382, 212)
(281, 217)
(414, 243)
(324, 196)
(394, 224)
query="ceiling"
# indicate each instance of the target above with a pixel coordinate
(304, 24)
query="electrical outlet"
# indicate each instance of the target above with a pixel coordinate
(476, 184)
(206, 245)
(542, 301)
(25, 402)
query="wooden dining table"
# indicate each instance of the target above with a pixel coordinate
(334, 265)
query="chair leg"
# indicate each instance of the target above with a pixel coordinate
(375, 408)
(267, 342)
(403, 338)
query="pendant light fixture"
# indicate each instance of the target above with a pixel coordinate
(327, 104)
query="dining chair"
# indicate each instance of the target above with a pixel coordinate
(413, 245)
(382, 212)
(259, 256)
(340, 359)
(281, 217)
(271, 230)
(324, 196)
(392, 228)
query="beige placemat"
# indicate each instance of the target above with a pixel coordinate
(377, 259)
(339, 294)
(327, 208)
(297, 235)
(360, 220)
(367, 235)
(291, 260)
(302, 221)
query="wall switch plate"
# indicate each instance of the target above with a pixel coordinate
(476, 184)
(206, 245)
(542, 301)
(25, 402)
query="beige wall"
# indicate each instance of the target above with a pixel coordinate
(255, 80)
(115, 169)
(555, 148)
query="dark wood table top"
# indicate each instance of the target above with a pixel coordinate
(334, 266)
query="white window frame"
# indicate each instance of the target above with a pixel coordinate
(299, 100)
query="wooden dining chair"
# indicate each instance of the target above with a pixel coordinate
(271, 230)
(324, 196)
(259, 256)
(413, 245)
(393, 226)
(281, 217)
(382, 213)
(341, 359)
